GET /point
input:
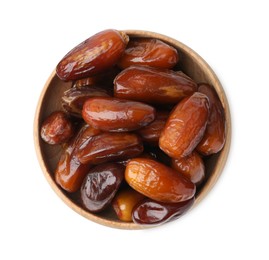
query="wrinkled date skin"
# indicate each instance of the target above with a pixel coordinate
(95, 55)
(151, 85)
(70, 172)
(185, 126)
(117, 115)
(124, 202)
(150, 212)
(150, 52)
(191, 166)
(100, 186)
(74, 98)
(108, 147)
(57, 128)
(151, 133)
(214, 137)
(157, 181)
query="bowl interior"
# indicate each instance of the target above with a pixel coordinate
(191, 64)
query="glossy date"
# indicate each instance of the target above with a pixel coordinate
(150, 52)
(100, 186)
(57, 128)
(124, 202)
(117, 115)
(107, 147)
(151, 85)
(191, 166)
(158, 181)
(214, 137)
(70, 172)
(150, 212)
(185, 126)
(94, 55)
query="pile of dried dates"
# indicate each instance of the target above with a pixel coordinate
(134, 129)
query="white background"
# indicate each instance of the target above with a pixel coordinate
(231, 223)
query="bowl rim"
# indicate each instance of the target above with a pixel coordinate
(223, 155)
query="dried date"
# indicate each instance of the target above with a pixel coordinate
(191, 166)
(150, 212)
(185, 126)
(157, 181)
(149, 52)
(151, 85)
(70, 172)
(117, 115)
(93, 56)
(124, 202)
(214, 137)
(100, 186)
(107, 147)
(57, 128)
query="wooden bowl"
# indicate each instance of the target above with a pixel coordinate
(192, 64)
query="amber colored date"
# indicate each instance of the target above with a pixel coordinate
(214, 137)
(185, 126)
(107, 147)
(95, 55)
(150, 52)
(157, 181)
(151, 85)
(117, 115)
(74, 98)
(124, 202)
(70, 172)
(191, 166)
(57, 128)
(151, 133)
(150, 212)
(100, 186)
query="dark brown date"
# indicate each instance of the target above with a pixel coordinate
(57, 128)
(117, 115)
(108, 147)
(95, 55)
(100, 186)
(214, 137)
(150, 52)
(150, 212)
(74, 98)
(70, 172)
(151, 85)
(185, 126)
(191, 166)
(151, 133)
